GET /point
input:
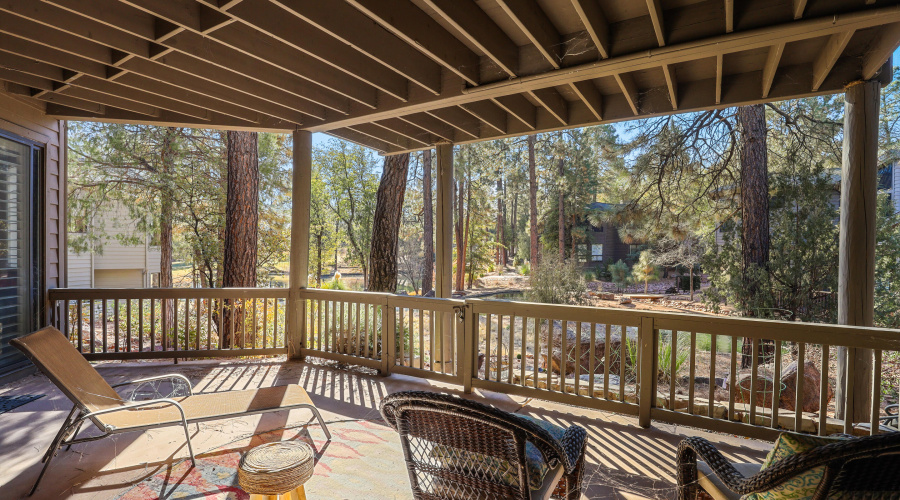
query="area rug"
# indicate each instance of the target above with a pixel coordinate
(9, 403)
(363, 460)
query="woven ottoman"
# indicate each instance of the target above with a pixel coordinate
(277, 471)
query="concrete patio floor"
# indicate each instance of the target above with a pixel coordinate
(623, 460)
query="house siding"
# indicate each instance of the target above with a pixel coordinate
(26, 119)
(118, 278)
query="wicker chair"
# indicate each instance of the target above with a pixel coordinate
(862, 467)
(460, 449)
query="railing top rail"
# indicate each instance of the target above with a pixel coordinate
(166, 293)
(345, 295)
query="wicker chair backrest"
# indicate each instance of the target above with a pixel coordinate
(461, 449)
(872, 474)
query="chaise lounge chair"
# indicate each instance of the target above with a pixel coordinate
(96, 401)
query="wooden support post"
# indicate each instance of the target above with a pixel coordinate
(299, 261)
(856, 268)
(444, 246)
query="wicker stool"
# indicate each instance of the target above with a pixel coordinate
(277, 471)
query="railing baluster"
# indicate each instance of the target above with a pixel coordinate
(255, 333)
(732, 378)
(876, 391)
(209, 303)
(776, 385)
(608, 355)
(141, 325)
(487, 346)
(221, 306)
(197, 305)
(115, 323)
(265, 328)
(401, 336)
(175, 326)
(535, 350)
(412, 338)
(823, 391)
(433, 353)
(187, 324)
(713, 351)
(422, 341)
(754, 373)
(692, 380)
(622, 354)
(592, 361)
(563, 356)
(80, 326)
(93, 328)
(673, 353)
(578, 327)
(152, 324)
(524, 360)
(850, 388)
(798, 405)
(499, 357)
(369, 329)
(548, 364)
(128, 325)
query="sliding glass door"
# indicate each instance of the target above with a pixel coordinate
(21, 236)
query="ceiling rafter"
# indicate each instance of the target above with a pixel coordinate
(474, 24)
(352, 27)
(408, 130)
(520, 108)
(166, 118)
(412, 25)
(880, 50)
(720, 69)
(458, 119)
(656, 17)
(595, 23)
(489, 113)
(432, 125)
(771, 67)
(671, 84)
(528, 17)
(362, 140)
(729, 16)
(553, 102)
(590, 96)
(797, 7)
(829, 55)
(630, 90)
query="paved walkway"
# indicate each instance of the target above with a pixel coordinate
(623, 460)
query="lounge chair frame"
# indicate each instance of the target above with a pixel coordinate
(68, 432)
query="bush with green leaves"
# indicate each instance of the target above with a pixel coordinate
(645, 270)
(620, 274)
(557, 282)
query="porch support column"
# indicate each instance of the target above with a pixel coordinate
(856, 270)
(444, 247)
(299, 259)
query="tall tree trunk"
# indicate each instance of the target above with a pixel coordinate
(241, 226)
(428, 254)
(532, 202)
(754, 211)
(386, 224)
(166, 214)
(562, 212)
(460, 243)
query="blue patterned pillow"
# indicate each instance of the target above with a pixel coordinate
(803, 485)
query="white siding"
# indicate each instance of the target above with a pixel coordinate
(78, 274)
(118, 278)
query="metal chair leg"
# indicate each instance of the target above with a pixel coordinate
(51, 451)
(74, 435)
(61, 432)
(187, 435)
(321, 421)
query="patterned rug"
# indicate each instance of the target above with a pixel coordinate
(8, 403)
(363, 460)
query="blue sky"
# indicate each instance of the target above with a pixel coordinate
(319, 139)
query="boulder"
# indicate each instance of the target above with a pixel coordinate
(574, 342)
(810, 396)
(765, 387)
(606, 296)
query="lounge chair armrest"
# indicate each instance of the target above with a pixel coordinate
(161, 377)
(137, 404)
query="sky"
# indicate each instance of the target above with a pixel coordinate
(319, 139)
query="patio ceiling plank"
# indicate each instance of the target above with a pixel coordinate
(75, 103)
(480, 30)
(308, 39)
(287, 63)
(656, 17)
(107, 100)
(595, 23)
(534, 23)
(412, 25)
(166, 118)
(355, 29)
(829, 55)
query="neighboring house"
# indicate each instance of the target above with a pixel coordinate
(117, 265)
(604, 245)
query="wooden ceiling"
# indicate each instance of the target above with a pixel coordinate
(402, 75)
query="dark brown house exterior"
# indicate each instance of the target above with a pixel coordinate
(604, 245)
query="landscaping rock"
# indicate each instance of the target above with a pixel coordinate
(625, 300)
(584, 344)
(764, 389)
(811, 380)
(606, 296)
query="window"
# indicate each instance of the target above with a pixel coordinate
(597, 252)
(21, 248)
(583, 253)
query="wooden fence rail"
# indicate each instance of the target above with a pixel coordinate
(668, 367)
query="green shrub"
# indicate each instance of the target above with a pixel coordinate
(557, 282)
(525, 268)
(684, 282)
(620, 274)
(335, 284)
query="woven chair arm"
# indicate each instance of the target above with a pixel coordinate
(160, 377)
(574, 441)
(686, 462)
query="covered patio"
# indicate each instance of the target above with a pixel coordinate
(407, 75)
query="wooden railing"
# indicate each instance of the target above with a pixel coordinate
(677, 368)
(172, 323)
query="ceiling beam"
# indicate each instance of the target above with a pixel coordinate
(520, 108)
(771, 67)
(880, 50)
(534, 23)
(458, 119)
(76, 103)
(630, 90)
(729, 16)
(166, 118)
(352, 27)
(590, 96)
(412, 25)
(379, 133)
(553, 102)
(656, 17)
(432, 125)
(829, 55)
(489, 113)
(362, 140)
(404, 128)
(480, 30)
(671, 84)
(797, 7)
(310, 40)
(720, 69)
(595, 23)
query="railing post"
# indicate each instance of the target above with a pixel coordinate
(466, 327)
(646, 369)
(388, 337)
